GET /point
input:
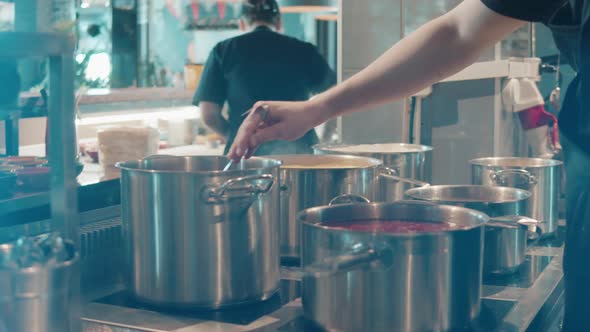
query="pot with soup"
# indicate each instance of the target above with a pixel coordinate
(316, 180)
(404, 266)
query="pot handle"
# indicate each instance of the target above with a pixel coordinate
(499, 177)
(349, 199)
(390, 173)
(533, 230)
(216, 193)
(360, 258)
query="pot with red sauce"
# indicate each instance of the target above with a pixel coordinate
(403, 266)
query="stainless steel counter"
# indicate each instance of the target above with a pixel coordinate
(530, 300)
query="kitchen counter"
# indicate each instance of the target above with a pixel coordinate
(530, 300)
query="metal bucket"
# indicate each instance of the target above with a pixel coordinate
(314, 180)
(541, 177)
(376, 281)
(198, 236)
(39, 298)
(407, 162)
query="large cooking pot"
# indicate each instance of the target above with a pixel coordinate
(507, 235)
(197, 236)
(315, 180)
(539, 176)
(407, 162)
(375, 281)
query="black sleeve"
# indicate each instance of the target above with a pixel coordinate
(526, 10)
(212, 85)
(322, 77)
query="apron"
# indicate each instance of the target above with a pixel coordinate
(568, 39)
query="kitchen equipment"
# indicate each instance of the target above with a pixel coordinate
(36, 297)
(199, 237)
(506, 242)
(506, 238)
(493, 201)
(417, 281)
(315, 180)
(407, 161)
(539, 176)
(140, 142)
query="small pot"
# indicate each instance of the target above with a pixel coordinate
(506, 242)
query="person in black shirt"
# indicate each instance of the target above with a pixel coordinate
(439, 49)
(261, 64)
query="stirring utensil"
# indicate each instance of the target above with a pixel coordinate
(226, 168)
(231, 162)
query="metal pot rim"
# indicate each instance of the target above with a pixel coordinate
(322, 226)
(370, 162)
(514, 162)
(330, 147)
(414, 194)
(123, 165)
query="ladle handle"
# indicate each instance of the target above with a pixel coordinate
(390, 173)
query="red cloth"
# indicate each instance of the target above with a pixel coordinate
(536, 117)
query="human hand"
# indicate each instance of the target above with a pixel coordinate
(268, 121)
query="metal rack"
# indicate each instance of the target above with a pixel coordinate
(59, 49)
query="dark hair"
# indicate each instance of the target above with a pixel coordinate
(266, 11)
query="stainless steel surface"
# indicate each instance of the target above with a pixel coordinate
(505, 246)
(409, 161)
(197, 236)
(493, 201)
(505, 243)
(541, 177)
(307, 186)
(38, 298)
(406, 296)
(526, 304)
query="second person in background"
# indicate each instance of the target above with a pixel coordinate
(261, 64)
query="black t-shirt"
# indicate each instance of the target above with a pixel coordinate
(262, 65)
(569, 21)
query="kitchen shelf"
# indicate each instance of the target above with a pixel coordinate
(58, 48)
(22, 201)
(27, 44)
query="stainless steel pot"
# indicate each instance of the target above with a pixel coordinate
(39, 297)
(493, 201)
(539, 176)
(392, 282)
(407, 162)
(313, 180)
(197, 236)
(506, 242)
(506, 237)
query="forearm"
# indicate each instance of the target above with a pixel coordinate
(435, 51)
(218, 124)
(213, 119)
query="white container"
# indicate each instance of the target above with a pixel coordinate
(126, 143)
